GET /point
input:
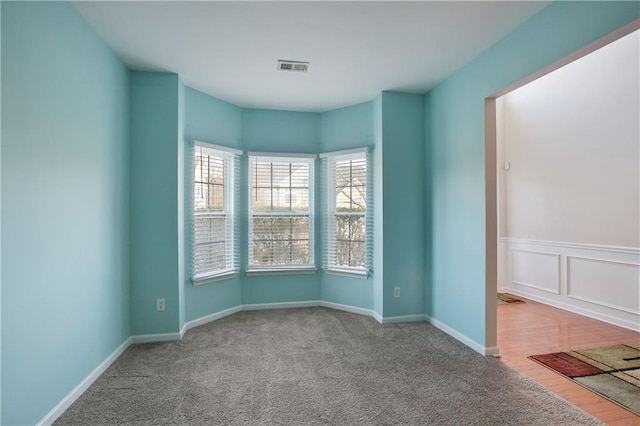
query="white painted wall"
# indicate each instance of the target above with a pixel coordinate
(569, 207)
(572, 141)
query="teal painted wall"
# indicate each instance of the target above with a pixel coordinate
(454, 113)
(348, 127)
(0, 218)
(345, 128)
(154, 202)
(181, 204)
(265, 130)
(210, 120)
(378, 230)
(278, 131)
(112, 239)
(65, 205)
(404, 205)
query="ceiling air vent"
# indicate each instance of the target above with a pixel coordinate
(295, 66)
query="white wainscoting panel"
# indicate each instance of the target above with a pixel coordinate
(536, 269)
(588, 277)
(597, 281)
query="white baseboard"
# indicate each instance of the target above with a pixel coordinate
(483, 350)
(398, 319)
(284, 305)
(208, 318)
(155, 338)
(347, 308)
(576, 309)
(404, 318)
(72, 396)
(168, 337)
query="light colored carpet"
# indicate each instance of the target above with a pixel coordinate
(315, 366)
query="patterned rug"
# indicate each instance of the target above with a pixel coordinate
(505, 298)
(611, 371)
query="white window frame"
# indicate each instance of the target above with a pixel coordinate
(309, 268)
(329, 223)
(231, 161)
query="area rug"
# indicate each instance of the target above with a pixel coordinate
(505, 298)
(611, 371)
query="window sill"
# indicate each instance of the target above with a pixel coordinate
(354, 273)
(284, 270)
(213, 277)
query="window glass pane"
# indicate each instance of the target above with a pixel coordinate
(209, 228)
(262, 228)
(350, 254)
(208, 181)
(300, 199)
(200, 196)
(350, 205)
(300, 228)
(280, 240)
(210, 222)
(262, 175)
(280, 186)
(261, 199)
(210, 256)
(350, 181)
(351, 228)
(300, 252)
(210, 197)
(357, 254)
(280, 203)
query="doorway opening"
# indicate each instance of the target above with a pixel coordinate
(561, 185)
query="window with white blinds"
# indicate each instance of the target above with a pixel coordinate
(347, 220)
(215, 238)
(280, 212)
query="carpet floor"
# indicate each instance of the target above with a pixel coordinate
(315, 366)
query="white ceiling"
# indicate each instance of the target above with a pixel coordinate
(356, 49)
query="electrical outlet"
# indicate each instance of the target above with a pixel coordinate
(396, 292)
(160, 304)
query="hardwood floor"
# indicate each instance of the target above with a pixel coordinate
(533, 328)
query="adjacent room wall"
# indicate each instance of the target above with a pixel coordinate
(65, 205)
(455, 140)
(572, 141)
(572, 194)
(345, 128)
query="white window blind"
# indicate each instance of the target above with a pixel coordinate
(348, 223)
(280, 212)
(215, 249)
